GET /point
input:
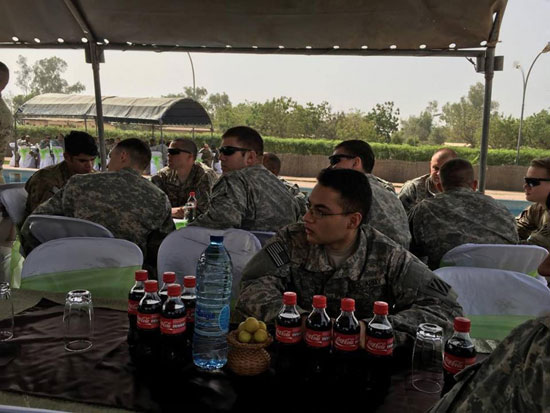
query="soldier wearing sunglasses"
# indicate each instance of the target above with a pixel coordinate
(247, 196)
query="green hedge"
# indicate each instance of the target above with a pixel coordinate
(311, 146)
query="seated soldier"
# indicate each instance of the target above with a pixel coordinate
(79, 155)
(121, 200)
(425, 186)
(459, 215)
(386, 214)
(335, 252)
(247, 196)
(514, 378)
(183, 175)
(206, 155)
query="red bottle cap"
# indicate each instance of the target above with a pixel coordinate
(191, 193)
(289, 298)
(169, 277)
(380, 308)
(462, 324)
(319, 301)
(348, 304)
(142, 275)
(174, 290)
(189, 281)
(151, 286)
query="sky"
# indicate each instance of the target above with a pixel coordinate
(346, 83)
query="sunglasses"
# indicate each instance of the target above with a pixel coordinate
(535, 181)
(230, 150)
(334, 159)
(176, 151)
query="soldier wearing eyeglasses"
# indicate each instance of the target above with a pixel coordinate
(337, 253)
(247, 196)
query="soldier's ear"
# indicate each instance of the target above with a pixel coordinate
(354, 220)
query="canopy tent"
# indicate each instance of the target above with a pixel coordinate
(340, 27)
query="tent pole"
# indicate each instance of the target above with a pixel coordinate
(489, 73)
(161, 137)
(94, 52)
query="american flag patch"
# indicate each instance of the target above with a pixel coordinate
(278, 254)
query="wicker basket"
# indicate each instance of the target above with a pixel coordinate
(247, 359)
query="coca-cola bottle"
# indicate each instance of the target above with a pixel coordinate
(191, 207)
(189, 298)
(379, 346)
(134, 297)
(172, 328)
(318, 337)
(148, 322)
(167, 278)
(345, 346)
(459, 352)
(288, 335)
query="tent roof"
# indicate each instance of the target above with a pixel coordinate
(168, 111)
(261, 26)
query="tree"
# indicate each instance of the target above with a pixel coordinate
(385, 119)
(503, 133)
(536, 130)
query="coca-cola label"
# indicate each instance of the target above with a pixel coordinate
(380, 346)
(346, 342)
(288, 335)
(454, 364)
(148, 321)
(318, 338)
(191, 315)
(172, 325)
(133, 307)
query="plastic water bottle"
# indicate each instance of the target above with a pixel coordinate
(212, 312)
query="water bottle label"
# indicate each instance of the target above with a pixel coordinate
(148, 321)
(133, 307)
(288, 335)
(172, 325)
(346, 342)
(379, 346)
(454, 364)
(223, 320)
(318, 338)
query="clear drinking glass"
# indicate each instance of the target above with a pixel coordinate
(6, 312)
(78, 320)
(427, 359)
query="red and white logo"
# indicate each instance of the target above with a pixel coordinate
(346, 342)
(454, 364)
(172, 325)
(148, 321)
(133, 307)
(379, 346)
(318, 338)
(288, 335)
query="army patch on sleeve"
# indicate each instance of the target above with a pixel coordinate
(277, 254)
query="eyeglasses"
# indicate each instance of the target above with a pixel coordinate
(532, 182)
(230, 150)
(176, 151)
(334, 159)
(317, 213)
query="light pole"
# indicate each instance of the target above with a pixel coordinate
(193, 70)
(525, 80)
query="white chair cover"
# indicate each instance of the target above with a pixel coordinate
(263, 236)
(156, 162)
(17, 409)
(180, 251)
(519, 258)
(12, 159)
(46, 158)
(57, 152)
(486, 291)
(26, 160)
(48, 227)
(217, 167)
(14, 200)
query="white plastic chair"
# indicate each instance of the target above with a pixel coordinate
(46, 158)
(14, 199)
(57, 152)
(180, 251)
(48, 227)
(26, 159)
(484, 291)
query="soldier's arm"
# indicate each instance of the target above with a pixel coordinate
(204, 193)
(407, 196)
(525, 224)
(415, 226)
(157, 236)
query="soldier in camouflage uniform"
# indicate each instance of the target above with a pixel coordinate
(458, 216)
(247, 196)
(6, 119)
(335, 253)
(207, 156)
(425, 186)
(80, 153)
(387, 214)
(183, 175)
(515, 378)
(121, 200)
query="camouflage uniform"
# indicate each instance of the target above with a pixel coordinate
(379, 269)
(387, 214)
(416, 190)
(514, 378)
(201, 179)
(207, 156)
(455, 217)
(386, 184)
(124, 202)
(300, 197)
(6, 132)
(534, 226)
(250, 198)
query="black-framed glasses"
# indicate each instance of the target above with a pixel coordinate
(176, 151)
(535, 181)
(317, 213)
(230, 150)
(335, 159)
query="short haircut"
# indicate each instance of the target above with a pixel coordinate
(247, 137)
(446, 153)
(543, 163)
(187, 144)
(456, 173)
(361, 149)
(139, 152)
(353, 187)
(4, 74)
(272, 163)
(77, 142)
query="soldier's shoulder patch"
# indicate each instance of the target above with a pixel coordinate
(277, 253)
(440, 286)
